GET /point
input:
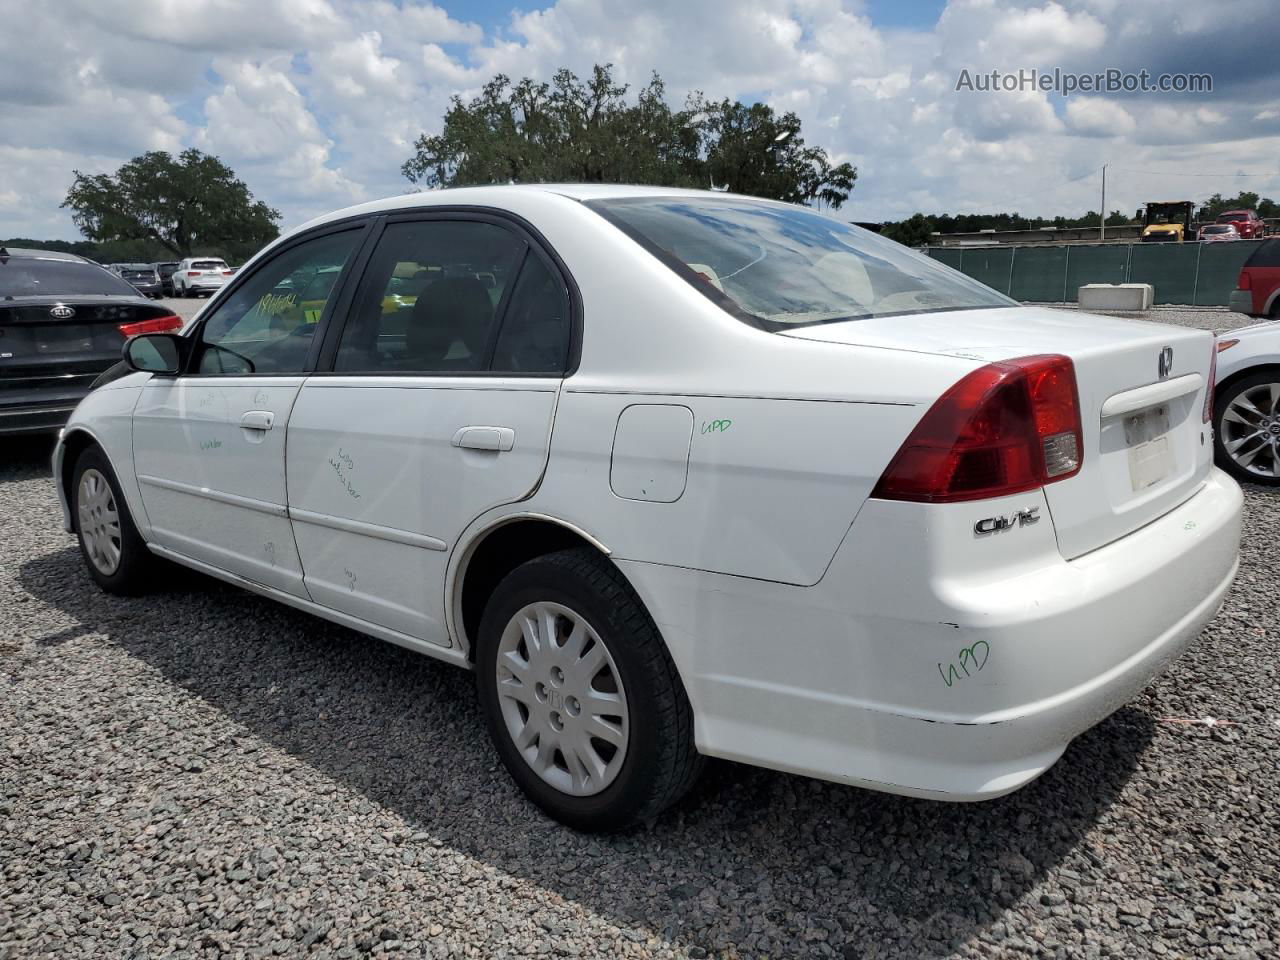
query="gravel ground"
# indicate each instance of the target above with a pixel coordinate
(205, 773)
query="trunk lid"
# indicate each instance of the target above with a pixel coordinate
(44, 358)
(1146, 447)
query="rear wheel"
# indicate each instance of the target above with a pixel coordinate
(114, 552)
(1246, 435)
(582, 700)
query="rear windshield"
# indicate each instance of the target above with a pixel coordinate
(1221, 228)
(208, 265)
(26, 277)
(1267, 255)
(778, 266)
(1235, 215)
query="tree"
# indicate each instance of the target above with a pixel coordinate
(192, 202)
(571, 130)
(914, 232)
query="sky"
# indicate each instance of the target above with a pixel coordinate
(316, 103)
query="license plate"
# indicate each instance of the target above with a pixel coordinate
(1150, 453)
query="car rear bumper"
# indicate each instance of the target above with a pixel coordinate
(897, 675)
(1241, 301)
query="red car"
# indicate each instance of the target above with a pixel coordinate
(1248, 224)
(1258, 289)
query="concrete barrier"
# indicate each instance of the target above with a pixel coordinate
(1116, 296)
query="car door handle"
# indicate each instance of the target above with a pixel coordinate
(258, 420)
(485, 438)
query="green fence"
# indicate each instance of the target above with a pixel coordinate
(1200, 274)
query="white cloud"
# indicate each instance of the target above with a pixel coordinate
(1097, 117)
(316, 103)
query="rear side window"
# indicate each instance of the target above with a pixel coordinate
(1267, 255)
(27, 277)
(431, 298)
(535, 330)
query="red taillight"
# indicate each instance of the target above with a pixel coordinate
(1005, 428)
(1213, 376)
(1245, 282)
(193, 273)
(226, 273)
(154, 325)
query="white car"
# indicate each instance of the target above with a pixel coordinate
(1247, 403)
(680, 474)
(197, 275)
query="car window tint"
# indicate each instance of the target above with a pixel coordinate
(1267, 255)
(535, 330)
(268, 322)
(430, 298)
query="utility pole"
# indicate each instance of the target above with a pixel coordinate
(1102, 213)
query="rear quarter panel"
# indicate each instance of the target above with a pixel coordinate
(772, 485)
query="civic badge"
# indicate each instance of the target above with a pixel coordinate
(62, 312)
(1165, 364)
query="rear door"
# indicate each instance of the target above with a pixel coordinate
(439, 406)
(209, 445)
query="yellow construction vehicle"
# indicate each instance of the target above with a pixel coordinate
(1167, 222)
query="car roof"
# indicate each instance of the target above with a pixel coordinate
(493, 194)
(32, 254)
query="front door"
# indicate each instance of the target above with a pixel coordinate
(209, 445)
(439, 406)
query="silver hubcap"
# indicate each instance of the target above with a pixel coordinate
(562, 699)
(99, 521)
(1251, 430)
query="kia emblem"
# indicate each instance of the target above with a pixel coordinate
(1166, 363)
(62, 312)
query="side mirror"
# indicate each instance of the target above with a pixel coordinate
(159, 353)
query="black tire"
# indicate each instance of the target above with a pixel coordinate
(136, 569)
(660, 763)
(1221, 401)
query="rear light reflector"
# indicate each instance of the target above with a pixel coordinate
(1005, 428)
(154, 325)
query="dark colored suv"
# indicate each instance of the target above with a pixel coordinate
(1258, 289)
(165, 272)
(63, 321)
(141, 276)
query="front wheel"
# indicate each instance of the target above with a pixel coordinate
(582, 700)
(1246, 436)
(115, 553)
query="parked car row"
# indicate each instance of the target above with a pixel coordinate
(192, 277)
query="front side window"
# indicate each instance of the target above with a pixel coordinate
(778, 266)
(430, 299)
(269, 321)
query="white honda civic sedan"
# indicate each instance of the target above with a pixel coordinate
(680, 474)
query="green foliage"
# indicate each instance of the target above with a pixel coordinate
(917, 229)
(588, 132)
(1245, 200)
(172, 207)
